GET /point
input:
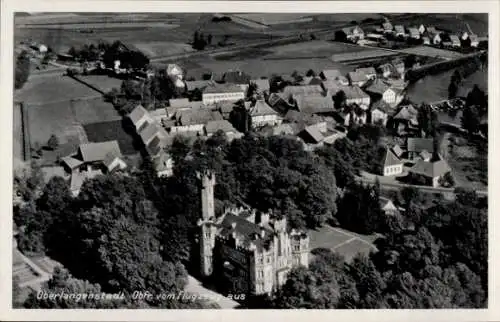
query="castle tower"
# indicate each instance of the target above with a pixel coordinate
(300, 248)
(206, 222)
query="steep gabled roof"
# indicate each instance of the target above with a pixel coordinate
(367, 70)
(262, 84)
(137, 114)
(261, 108)
(223, 88)
(92, 152)
(378, 86)
(357, 76)
(391, 158)
(302, 90)
(331, 73)
(399, 29)
(214, 126)
(314, 103)
(236, 77)
(397, 150)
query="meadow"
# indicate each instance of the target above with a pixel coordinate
(432, 52)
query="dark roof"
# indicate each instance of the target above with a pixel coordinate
(304, 90)
(408, 113)
(313, 133)
(178, 102)
(314, 104)
(353, 92)
(236, 77)
(201, 84)
(92, 152)
(378, 86)
(431, 169)
(214, 126)
(198, 116)
(382, 106)
(245, 230)
(420, 144)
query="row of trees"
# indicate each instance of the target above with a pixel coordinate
(22, 70)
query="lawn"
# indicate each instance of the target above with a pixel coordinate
(104, 83)
(108, 131)
(43, 90)
(314, 48)
(344, 242)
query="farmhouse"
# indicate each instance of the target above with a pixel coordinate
(330, 74)
(386, 70)
(465, 35)
(92, 156)
(279, 103)
(455, 41)
(354, 115)
(332, 87)
(140, 117)
(353, 33)
(474, 40)
(406, 119)
(222, 92)
(380, 113)
(387, 26)
(392, 164)
(200, 84)
(436, 38)
(370, 72)
(213, 127)
(163, 164)
(355, 95)
(262, 114)
(306, 90)
(416, 146)
(429, 173)
(414, 33)
(314, 104)
(399, 31)
(421, 29)
(318, 134)
(194, 120)
(426, 40)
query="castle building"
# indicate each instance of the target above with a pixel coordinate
(249, 251)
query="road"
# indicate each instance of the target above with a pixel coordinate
(396, 185)
(195, 287)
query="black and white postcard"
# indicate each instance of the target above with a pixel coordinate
(195, 160)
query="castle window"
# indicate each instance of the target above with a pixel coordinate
(207, 234)
(260, 274)
(268, 259)
(261, 260)
(296, 247)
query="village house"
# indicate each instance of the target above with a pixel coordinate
(262, 114)
(314, 104)
(140, 117)
(310, 80)
(387, 27)
(333, 75)
(236, 77)
(222, 92)
(163, 164)
(353, 34)
(305, 90)
(426, 40)
(319, 134)
(355, 95)
(279, 103)
(375, 37)
(386, 70)
(102, 156)
(193, 120)
(370, 72)
(429, 172)
(399, 31)
(474, 40)
(455, 41)
(332, 87)
(354, 115)
(414, 33)
(405, 120)
(464, 35)
(379, 89)
(392, 164)
(213, 127)
(249, 252)
(421, 29)
(420, 148)
(198, 84)
(388, 207)
(380, 113)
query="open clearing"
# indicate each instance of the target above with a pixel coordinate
(161, 48)
(432, 52)
(111, 130)
(104, 83)
(58, 88)
(341, 241)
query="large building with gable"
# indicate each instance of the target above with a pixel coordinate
(249, 252)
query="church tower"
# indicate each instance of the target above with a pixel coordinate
(207, 222)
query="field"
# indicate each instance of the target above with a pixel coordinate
(43, 90)
(431, 52)
(112, 130)
(316, 48)
(103, 25)
(345, 57)
(162, 48)
(104, 83)
(273, 18)
(341, 241)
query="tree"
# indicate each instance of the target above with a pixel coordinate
(209, 39)
(447, 180)
(310, 73)
(22, 70)
(470, 119)
(369, 282)
(53, 142)
(339, 99)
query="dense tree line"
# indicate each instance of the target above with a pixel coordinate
(432, 258)
(22, 70)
